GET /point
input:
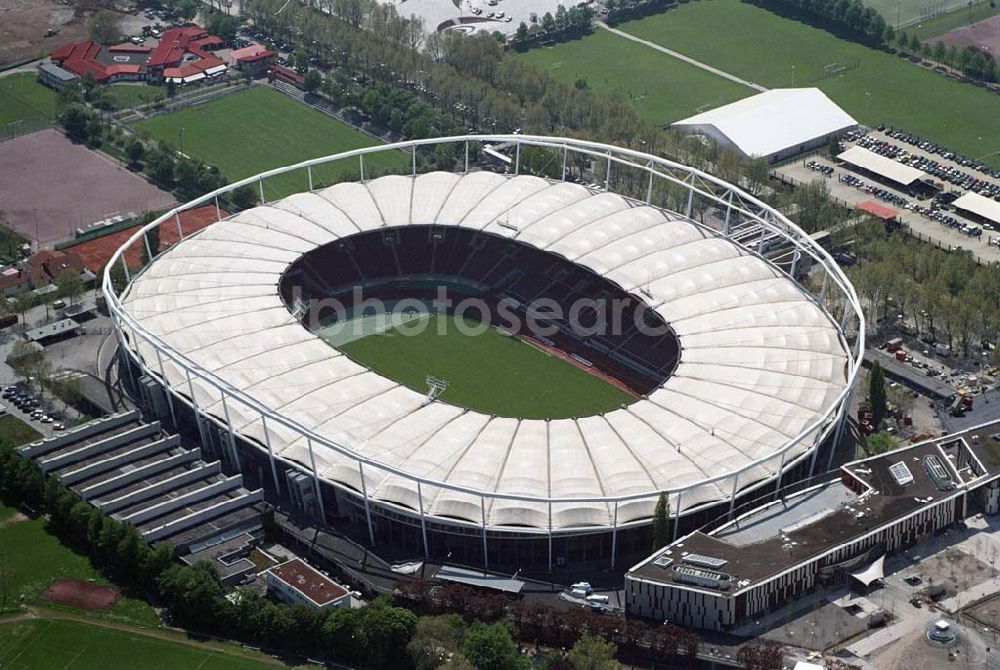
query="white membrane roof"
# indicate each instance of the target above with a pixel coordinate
(760, 361)
(771, 122)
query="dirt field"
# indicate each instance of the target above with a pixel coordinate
(67, 186)
(984, 35)
(85, 595)
(23, 24)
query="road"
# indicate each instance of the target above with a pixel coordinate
(686, 59)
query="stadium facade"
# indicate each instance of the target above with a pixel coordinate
(737, 391)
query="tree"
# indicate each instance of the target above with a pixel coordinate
(223, 25)
(193, 592)
(301, 60)
(134, 151)
(491, 647)
(103, 27)
(879, 443)
(69, 285)
(244, 197)
(313, 80)
(435, 640)
(661, 522)
(383, 631)
(521, 34)
(877, 395)
(592, 653)
(187, 9)
(24, 358)
(153, 241)
(75, 118)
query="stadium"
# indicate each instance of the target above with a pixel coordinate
(543, 437)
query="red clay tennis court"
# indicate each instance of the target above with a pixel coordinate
(98, 251)
(81, 594)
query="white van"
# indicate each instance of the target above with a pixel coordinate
(942, 349)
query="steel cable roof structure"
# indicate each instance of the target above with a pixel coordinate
(763, 377)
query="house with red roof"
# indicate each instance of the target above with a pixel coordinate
(254, 59)
(182, 56)
(104, 64)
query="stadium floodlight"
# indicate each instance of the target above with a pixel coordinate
(762, 381)
(435, 386)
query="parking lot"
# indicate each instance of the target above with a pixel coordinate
(931, 219)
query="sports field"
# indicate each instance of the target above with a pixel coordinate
(40, 558)
(260, 129)
(958, 18)
(907, 12)
(662, 89)
(488, 372)
(874, 87)
(23, 99)
(42, 644)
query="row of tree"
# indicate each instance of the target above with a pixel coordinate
(972, 62)
(848, 17)
(565, 24)
(557, 628)
(627, 10)
(945, 295)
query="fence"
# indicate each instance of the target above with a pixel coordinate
(21, 127)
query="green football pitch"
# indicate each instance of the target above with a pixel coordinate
(661, 88)
(260, 129)
(486, 370)
(41, 644)
(24, 101)
(873, 86)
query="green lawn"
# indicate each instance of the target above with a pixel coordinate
(488, 372)
(663, 89)
(35, 558)
(260, 129)
(44, 643)
(763, 47)
(958, 18)
(130, 95)
(22, 98)
(17, 431)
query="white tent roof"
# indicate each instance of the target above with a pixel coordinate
(770, 122)
(872, 573)
(882, 166)
(760, 361)
(980, 205)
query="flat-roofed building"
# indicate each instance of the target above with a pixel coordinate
(297, 582)
(831, 534)
(980, 208)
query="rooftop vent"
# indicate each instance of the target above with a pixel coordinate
(705, 561)
(901, 473)
(937, 472)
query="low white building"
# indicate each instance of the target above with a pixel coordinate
(298, 583)
(774, 125)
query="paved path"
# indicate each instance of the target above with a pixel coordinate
(686, 59)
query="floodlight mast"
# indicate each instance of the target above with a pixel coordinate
(435, 386)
